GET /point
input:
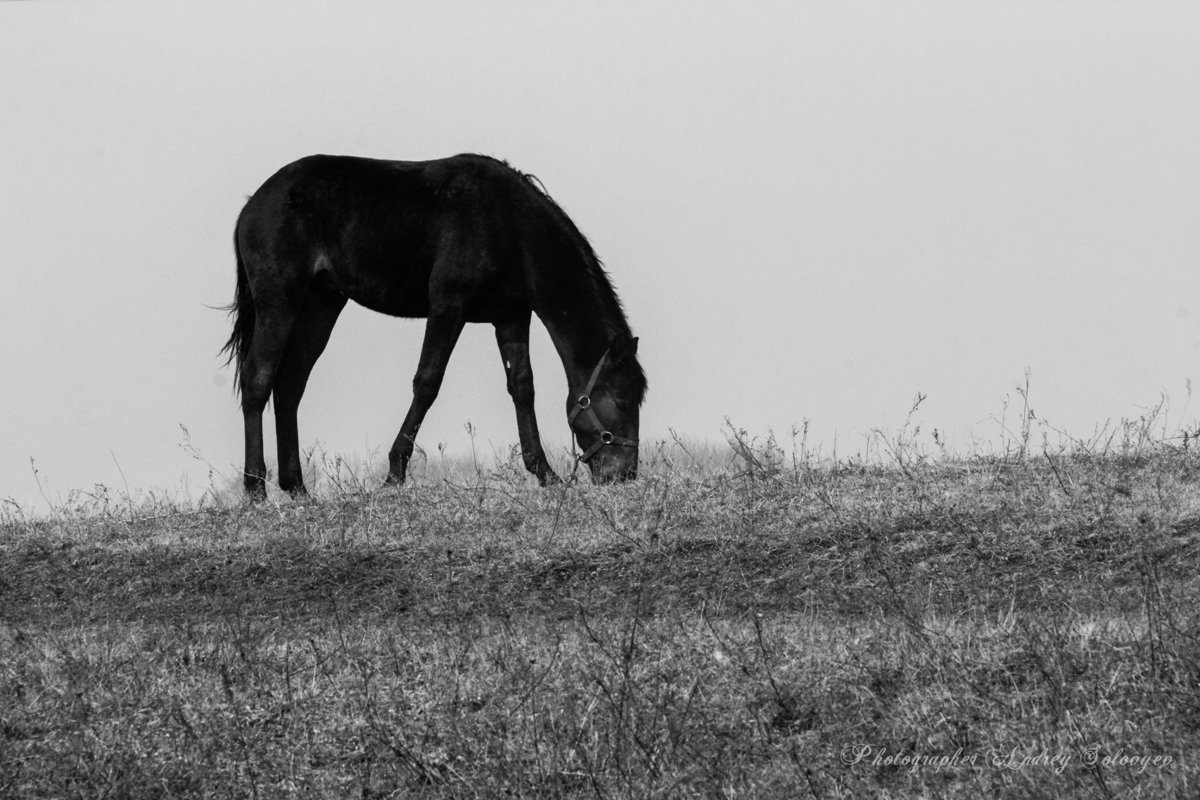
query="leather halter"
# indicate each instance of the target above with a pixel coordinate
(583, 405)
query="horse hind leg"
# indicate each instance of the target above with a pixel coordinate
(310, 334)
(272, 327)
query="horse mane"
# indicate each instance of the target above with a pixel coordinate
(597, 277)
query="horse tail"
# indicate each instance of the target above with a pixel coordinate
(242, 312)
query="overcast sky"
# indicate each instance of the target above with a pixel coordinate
(811, 210)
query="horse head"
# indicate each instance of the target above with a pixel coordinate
(604, 416)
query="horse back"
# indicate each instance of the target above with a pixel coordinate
(400, 237)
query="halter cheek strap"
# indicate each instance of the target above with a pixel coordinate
(583, 405)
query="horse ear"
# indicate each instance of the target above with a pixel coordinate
(623, 345)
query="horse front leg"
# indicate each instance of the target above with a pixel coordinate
(513, 340)
(441, 334)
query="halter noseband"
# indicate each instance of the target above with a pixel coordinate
(583, 405)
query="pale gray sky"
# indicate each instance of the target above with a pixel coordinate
(812, 210)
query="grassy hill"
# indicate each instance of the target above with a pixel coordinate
(746, 622)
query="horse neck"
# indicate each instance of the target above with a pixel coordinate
(580, 339)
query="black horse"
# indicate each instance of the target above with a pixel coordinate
(455, 240)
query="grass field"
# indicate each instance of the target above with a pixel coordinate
(751, 621)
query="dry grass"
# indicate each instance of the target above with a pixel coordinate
(744, 621)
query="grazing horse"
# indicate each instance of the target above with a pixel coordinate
(454, 240)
